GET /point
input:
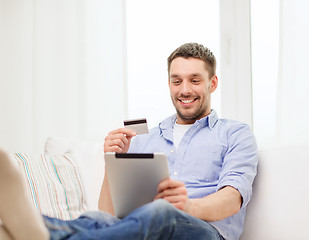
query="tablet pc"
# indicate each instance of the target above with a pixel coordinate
(133, 179)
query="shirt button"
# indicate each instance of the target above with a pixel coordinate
(175, 173)
(172, 151)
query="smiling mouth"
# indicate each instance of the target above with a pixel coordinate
(187, 101)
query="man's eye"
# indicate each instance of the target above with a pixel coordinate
(176, 82)
(195, 80)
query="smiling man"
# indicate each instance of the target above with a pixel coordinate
(212, 161)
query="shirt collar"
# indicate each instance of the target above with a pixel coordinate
(210, 121)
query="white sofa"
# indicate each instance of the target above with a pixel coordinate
(278, 209)
(279, 206)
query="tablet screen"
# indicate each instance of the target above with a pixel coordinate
(133, 179)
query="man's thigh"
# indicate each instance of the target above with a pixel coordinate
(153, 221)
(87, 222)
(164, 221)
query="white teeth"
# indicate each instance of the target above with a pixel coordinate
(187, 101)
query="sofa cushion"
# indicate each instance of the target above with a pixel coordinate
(54, 184)
(90, 161)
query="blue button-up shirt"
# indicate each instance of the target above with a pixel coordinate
(212, 154)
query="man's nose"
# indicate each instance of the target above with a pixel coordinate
(186, 88)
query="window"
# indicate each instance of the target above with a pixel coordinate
(265, 47)
(154, 30)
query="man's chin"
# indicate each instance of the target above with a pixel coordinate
(187, 117)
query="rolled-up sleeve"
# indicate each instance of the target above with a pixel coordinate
(239, 166)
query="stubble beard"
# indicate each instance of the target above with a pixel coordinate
(192, 117)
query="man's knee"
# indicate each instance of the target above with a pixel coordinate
(158, 209)
(103, 218)
(3, 155)
(161, 205)
(7, 164)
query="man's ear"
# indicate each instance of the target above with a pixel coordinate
(214, 83)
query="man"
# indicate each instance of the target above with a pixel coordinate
(212, 165)
(212, 161)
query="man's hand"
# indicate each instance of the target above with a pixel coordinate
(214, 207)
(118, 140)
(176, 193)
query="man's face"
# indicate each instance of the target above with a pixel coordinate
(190, 89)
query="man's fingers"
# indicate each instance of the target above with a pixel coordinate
(178, 201)
(116, 149)
(169, 183)
(118, 140)
(126, 131)
(179, 191)
(112, 145)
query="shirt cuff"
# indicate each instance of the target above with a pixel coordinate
(241, 184)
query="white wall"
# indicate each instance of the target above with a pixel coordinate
(105, 79)
(236, 87)
(16, 36)
(61, 71)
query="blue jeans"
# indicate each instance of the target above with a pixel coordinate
(156, 220)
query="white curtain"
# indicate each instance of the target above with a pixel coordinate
(61, 70)
(280, 52)
(292, 122)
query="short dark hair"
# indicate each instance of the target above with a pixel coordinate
(195, 50)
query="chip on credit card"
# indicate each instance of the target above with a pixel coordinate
(138, 125)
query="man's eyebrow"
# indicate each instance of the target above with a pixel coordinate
(195, 75)
(174, 75)
(191, 75)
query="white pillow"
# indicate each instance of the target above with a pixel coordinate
(90, 160)
(54, 184)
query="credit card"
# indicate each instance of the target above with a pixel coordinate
(138, 125)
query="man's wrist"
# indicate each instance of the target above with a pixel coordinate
(192, 208)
